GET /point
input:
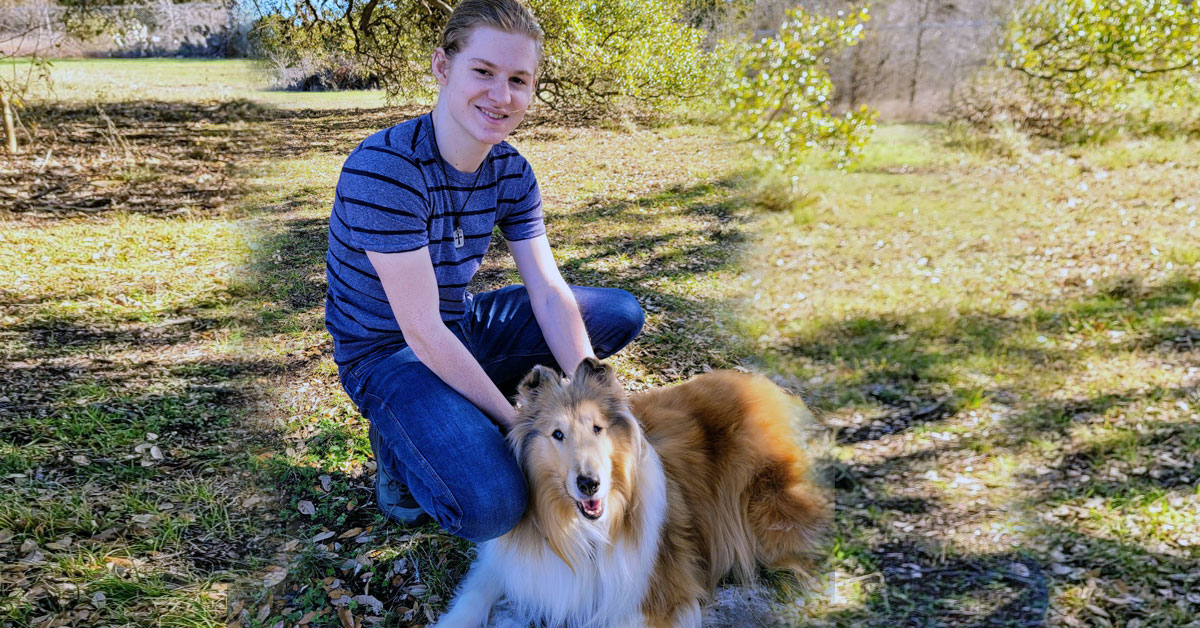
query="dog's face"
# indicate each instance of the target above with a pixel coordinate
(575, 440)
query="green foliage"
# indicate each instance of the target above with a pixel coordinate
(601, 51)
(779, 92)
(1086, 63)
(596, 53)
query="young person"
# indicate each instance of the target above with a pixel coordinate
(428, 363)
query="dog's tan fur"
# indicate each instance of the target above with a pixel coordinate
(739, 493)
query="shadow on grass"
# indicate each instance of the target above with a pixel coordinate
(165, 159)
(925, 589)
(1087, 451)
(909, 364)
(129, 478)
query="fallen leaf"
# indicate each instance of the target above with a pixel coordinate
(274, 577)
(61, 544)
(326, 483)
(351, 532)
(370, 601)
(106, 535)
(306, 508)
(322, 536)
(345, 616)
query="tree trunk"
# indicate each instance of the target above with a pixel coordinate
(10, 133)
(926, 9)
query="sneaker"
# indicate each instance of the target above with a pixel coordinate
(392, 495)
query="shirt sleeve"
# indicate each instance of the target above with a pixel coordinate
(519, 208)
(385, 199)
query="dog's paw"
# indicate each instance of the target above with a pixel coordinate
(461, 618)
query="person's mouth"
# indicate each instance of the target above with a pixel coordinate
(491, 115)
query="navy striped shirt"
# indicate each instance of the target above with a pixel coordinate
(392, 196)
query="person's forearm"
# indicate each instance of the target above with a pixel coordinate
(558, 316)
(440, 350)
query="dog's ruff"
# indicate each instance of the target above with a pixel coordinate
(708, 481)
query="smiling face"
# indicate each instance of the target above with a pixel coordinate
(485, 89)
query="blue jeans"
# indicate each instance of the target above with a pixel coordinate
(448, 452)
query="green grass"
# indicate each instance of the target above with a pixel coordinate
(1002, 342)
(1003, 357)
(181, 80)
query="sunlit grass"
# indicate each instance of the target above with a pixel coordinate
(183, 80)
(1040, 297)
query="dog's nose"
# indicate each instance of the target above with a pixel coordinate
(587, 485)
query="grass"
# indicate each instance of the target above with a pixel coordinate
(180, 80)
(1000, 341)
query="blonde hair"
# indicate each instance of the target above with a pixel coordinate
(509, 16)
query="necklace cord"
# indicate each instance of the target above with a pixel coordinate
(446, 177)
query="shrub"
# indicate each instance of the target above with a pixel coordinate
(779, 92)
(1084, 67)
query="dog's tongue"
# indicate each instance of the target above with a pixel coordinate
(592, 507)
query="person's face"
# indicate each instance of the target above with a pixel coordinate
(487, 86)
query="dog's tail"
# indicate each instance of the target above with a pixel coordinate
(790, 518)
(788, 512)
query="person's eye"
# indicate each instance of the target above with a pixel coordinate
(518, 81)
(483, 72)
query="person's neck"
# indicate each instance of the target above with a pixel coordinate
(460, 151)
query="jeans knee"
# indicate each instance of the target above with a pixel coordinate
(492, 513)
(493, 520)
(626, 318)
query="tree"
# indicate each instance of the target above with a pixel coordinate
(1081, 60)
(596, 53)
(30, 31)
(780, 93)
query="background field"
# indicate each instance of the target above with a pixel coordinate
(1000, 340)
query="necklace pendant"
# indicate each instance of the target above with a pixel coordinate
(459, 240)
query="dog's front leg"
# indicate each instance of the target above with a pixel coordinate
(689, 615)
(479, 592)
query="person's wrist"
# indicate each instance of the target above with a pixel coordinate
(507, 420)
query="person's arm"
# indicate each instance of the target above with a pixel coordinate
(554, 305)
(412, 291)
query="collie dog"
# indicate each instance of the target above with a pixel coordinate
(638, 507)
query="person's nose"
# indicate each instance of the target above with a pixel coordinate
(500, 93)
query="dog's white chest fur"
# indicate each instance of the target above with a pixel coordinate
(605, 590)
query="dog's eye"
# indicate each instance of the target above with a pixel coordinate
(596, 428)
(558, 435)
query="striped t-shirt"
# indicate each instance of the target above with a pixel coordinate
(392, 196)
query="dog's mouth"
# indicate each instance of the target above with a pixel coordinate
(591, 508)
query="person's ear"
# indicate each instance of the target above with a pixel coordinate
(440, 65)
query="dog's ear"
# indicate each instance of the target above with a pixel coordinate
(539, 379)
(591, 369)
